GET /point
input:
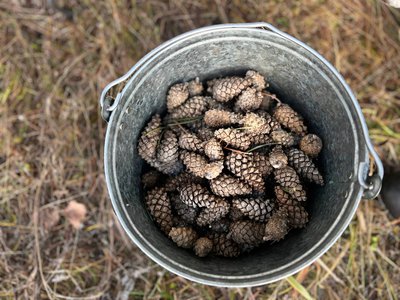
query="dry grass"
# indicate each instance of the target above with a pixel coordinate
(55, 59)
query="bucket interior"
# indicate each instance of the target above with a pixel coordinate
(299, 79)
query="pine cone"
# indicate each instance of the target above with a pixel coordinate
(297, 215)
(192, 107)
(195, 163)
(195, 87)
(205, 133)
(177, 94)
(261, 139)
(203, 246)
(290, 181)
(272, 122)
(172, 167)
(234, 137)
(149, 138)
(213, 150)
(187, 213)
(282, 197)
(227, 88)
(304, 166)
(261, 162)
(235, 214)
(277, 226)
(174, 183)
(226, 186)
(196, 195)
(184, 237)
(243, 166)
(168, 148)
(249, 100)
(159, 207)
(290, 119)
(283, 138)
(247, 232)
(213, 169)
(220, 226)
(190, 141)
(257, 80)
(278, 158)
(195, 125)
(220, 118)
(311, 145)
(210, 215)
(255, 209)
(150, 179)
(223, 246)
(255, 124)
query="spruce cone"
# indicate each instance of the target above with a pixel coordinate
(290, 119)
(174, 183)
(223, 246)
(257, 80)
(220, 226)
(278, 158)
(227, 88)
(203, 246)
(304, 166)
(168, 149)
(226, 186)
(184, 237)
(213, 169)
(210, 215)
(311, 145)
(150, 179)
(213, 150)
(177, 94)
(196, 195)
(283, 138)
(255, 209)
(249, 100)
(243, 166)
(151, 134)
(297, 215)
(235, 214)
(160, 208)
(255, 124)
(195, 87)
(234, 137)
(290, 181)
(190, 141)
(247, 232)
(277, 226)
(192, 107)
(195, 163)
(187, 213)
(220, 118)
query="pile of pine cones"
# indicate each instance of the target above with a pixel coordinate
(237, 161)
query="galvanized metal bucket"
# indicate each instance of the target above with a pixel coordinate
(300, 76)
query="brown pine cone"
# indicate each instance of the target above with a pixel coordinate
(213, 169)
(277, 226)
(254, 124)
(177, 94)
(235, 214)
(196, 195)
(220, 118)
(149, 138)
(205, 133)
(195, 87)
(170, 168)
(261, 161)
(187, 213)
(227, 88)
(243, 166)
(168, 148)
(184, 237)
(290, 119)
(247, 232)
(195, 163)
(150, 179)
(220, 226)
(282, 197)
(256, 209)
(213, 150)
(272, 122)
(223, 246)
(174, 183)
(278, 158)
(257, 80)
(282, 137)
(297, 215)
(190, 141)
(249, 100)
(203, 246)
(311, 145)
(210, 215)
(304, 166)
(234, 137)
(159, 206)
(290, 181)
(226, 186)
(261, 139)
(192, 107)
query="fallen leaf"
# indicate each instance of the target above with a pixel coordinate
(49, 218)
(75, 213)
